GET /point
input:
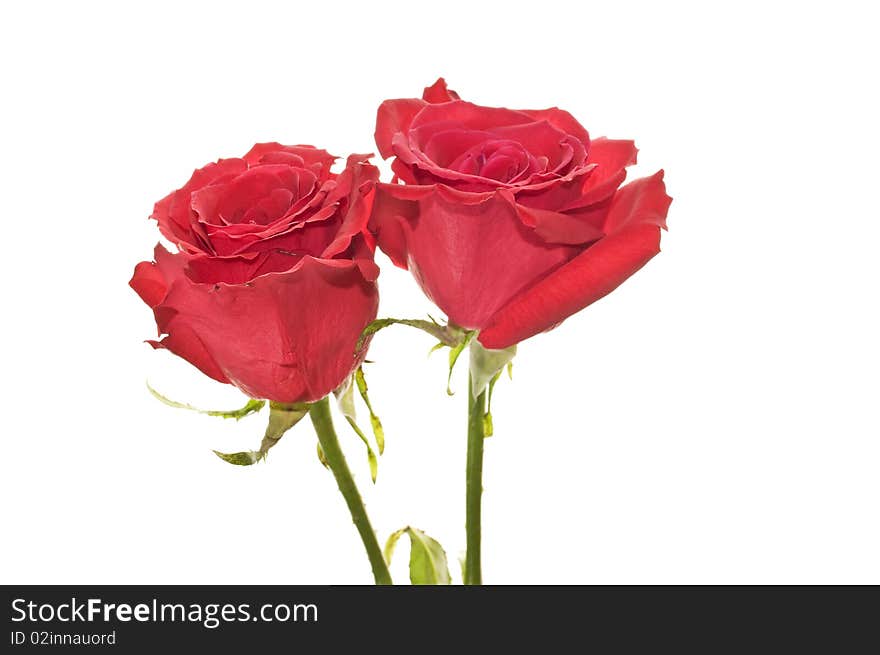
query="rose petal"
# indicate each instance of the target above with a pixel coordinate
(174, 212)
(444, 146)
(148, 283)
(461, 246)
(468, 115)
(642, 201)
(394, 117)
(152, 281)
(438, 92)
(239, 269)
(587, 278)
(186, 344)
(610, 158)
(394, 205)
(287, 233)
(556, 227)
(635, 216)
(287, 336)
(542, 138)
(314, 159)
(561, 120)
(415, 167)
(356, 182)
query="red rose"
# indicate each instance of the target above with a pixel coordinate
(275, 279)
(510, 220)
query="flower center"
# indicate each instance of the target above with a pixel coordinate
(501, 160)
(264, 194)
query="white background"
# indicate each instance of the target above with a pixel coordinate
(715, 420)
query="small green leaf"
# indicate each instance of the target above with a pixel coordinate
(371, 456)
(449, 334)
(245, 458)
(488, 427)
(510, 369)
(427, 559)
(282, 417)
(376, 424)
(321, 456)
(391, 544)
(251, 407)
(454, 352)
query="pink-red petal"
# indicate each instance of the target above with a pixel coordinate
(315, 159)
(285, 336)
(596, 272)
(149, 283)
(635, 217)
(561, 120)
(610, 157)
(356, 191)
(470, 252)
(642, 201)
(438, 92)
(394, 117)
(556, 227)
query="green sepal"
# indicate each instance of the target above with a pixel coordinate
(345, 399)
(282, 417)
(321, 456)
(391, 544)
(371, 456)
(427, 559)
(251, 407)
(378, 430)
(454, 352)
(244, 458)
(488, 427)
(486, 364)
(448, 334)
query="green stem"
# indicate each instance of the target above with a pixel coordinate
(476, 409)
(323, 422)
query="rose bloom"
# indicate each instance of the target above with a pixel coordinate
(510, 220)
(274, 281)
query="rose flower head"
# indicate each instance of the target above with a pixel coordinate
(274, 280)
(510, 220)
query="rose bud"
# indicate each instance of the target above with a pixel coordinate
(275, 279)
(510, 220)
